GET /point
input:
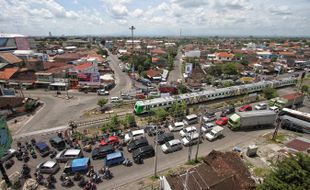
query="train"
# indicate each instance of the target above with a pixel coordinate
(146, 106)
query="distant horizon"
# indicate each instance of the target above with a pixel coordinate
(283, 18)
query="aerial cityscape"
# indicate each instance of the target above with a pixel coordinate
(154, 95)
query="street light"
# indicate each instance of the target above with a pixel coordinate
(201, 108)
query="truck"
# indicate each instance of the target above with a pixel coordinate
(288, 100)
(252, 119)
(215, 133)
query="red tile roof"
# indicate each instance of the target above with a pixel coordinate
(83, 66)
(9, 57)
(152, 73)
(48, 65)
(224, 54)
(155, 59)
(291, 96)
(8, 73)
(158, 51)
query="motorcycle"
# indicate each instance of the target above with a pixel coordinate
(25, 158)
(82, 182)
(96, 178)
(33, 142)
(90, 186)
(25, 172)
(67, 183)
(127, 162)
(51, 179)
(77, 177)
(33, 153)
(53, 154)
(8, 164)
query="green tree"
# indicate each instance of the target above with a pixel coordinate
(270, 93)
(244, 62)
(103, 52)
(293, 173)
(129, 120)
(273, 59)
(182, 89)
(215, 70)
(28, 106)
(160, 115)
(230, 69)
(304, 89)
(101, 102)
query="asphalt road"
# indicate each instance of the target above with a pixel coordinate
(176, 73)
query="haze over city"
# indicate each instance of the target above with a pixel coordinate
(156, 17)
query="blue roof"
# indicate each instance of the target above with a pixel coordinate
(79, 162)
(41, 145)
(114, 155)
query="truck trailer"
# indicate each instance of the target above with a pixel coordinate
(288, 100)
(252, 119)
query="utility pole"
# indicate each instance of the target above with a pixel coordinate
(190, 148)
(199, 131)
(132, 28)
(275, 133)
(4, 175)
(156, 151)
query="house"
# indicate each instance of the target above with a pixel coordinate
(217, 172)
(6, 57)
(224, 56)
(158, 52)
(193, 53)
(7, 73)
(153, 75)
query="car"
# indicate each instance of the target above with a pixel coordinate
(150, 130)
(57, 142)
(115, 99)
(228, 110)
(143, 152)
(113, 140)
(221, 121)
(207, 127)
(191, 139)
(48, 167)
(102, 151)
(69, 154)
(172, 146)
(274, 108)
(187, 131)
(132, 135)
(10, 153)
(246, 107)
(42, 148)
(261, 106)
(164, 137)
(102, 92)
(137, 144)
(177, 126)
(209, 117)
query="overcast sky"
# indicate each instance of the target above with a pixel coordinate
(156, 17)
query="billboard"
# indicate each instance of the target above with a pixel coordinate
(188, 68)
(89, 78)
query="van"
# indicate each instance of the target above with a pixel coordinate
(132, 135)
(58, 143)
(190, 119)
(115, 99)
(177, 126)
(114, 159)
(69, 154)
(191, 139)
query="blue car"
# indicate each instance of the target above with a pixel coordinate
(42, 148)
(115, 158)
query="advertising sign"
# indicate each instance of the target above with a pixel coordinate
(188, 68)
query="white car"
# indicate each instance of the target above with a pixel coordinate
(172, 146)
(191, 139)
(132, 135)
(261, 106)
(102, 92)
(207, 127)
(187, 131)
(48, 167)
(274, 108)
(177, 126)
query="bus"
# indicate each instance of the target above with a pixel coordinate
(295, 120)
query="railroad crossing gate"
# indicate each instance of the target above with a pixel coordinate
(5, 136)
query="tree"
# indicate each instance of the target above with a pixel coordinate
(244, 62)
(305, 89)
(292, 173)
(215, 70)
(270, 93)
(181, 89)
(101, 102)
(103, 52)
(160, 114)
(230, 69)
(129, 120)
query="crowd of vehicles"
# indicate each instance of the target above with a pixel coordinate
(207, 95)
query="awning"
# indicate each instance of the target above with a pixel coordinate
(59, 84)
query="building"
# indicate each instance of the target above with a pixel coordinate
(11, 42)
(11, 59)
(218, 171)
(193, 53)
(224, 56)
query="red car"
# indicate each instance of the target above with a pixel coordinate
(110, 140)
(245, 108)
(222, 121)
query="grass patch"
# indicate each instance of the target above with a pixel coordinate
(154, 177)
(261, 172)
(192, 162)
(279, 139)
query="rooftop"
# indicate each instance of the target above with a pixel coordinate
(9, 57)
(8, 73)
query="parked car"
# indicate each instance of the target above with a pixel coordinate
(190, 119)
(8, 154)
(221, 121)
(102, 151)
(177, 126)
(228, 110)
(48, 167)
(69, 154)
(114, 159)
(187, 131)
(57, 142)
(261, 106)
(209, 118)
(191, 139)
(137, 144)
(42, 148)
(172, 146)
(113, 140)
(246, 107)
(102, 92)
(143, 152)
(132, 135)
(274, 108)
(150, 130)
(115, 99)
(164, 137)
(207, 127)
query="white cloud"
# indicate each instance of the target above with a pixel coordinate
(137, 13)
(281, 10)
